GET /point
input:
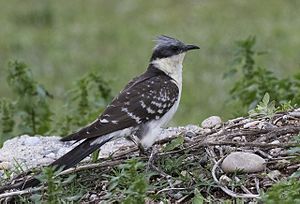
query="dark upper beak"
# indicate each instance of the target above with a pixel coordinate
(191, 47)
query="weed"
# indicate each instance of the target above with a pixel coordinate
(55, 192)
(255, 81)
(32, 104)
(7, 122)
(129, 183)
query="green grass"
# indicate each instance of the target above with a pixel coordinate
(62, 40)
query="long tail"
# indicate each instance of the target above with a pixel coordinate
(66, 161)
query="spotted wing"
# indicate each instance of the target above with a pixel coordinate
(145, 99)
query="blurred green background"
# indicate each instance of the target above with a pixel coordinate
(62, 40)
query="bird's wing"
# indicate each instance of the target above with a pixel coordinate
(144, 99)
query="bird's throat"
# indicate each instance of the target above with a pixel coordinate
(172, 66)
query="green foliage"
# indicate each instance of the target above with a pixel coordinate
(54, 193)
(84, 102)
(198, 197)
(6, 120)
(31, 113)
(32, 100)
(265, 107)
(129, 183)
(177, 142)
(254, 81)
(286, 192)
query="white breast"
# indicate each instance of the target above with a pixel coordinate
(172, 66)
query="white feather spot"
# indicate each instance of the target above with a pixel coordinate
(156, 104)
(149, 110)
(103, 121)
(142, 104)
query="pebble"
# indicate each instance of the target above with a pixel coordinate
(295, 114)
(247, 162)
(5, 165)
(275, 151)
(31, 141)
(212, 122)
(225, 180)
(251, 124)
(275, 174)
(275, 142)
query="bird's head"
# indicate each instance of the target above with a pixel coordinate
(167, 47)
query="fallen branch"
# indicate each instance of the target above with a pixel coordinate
(22, 192)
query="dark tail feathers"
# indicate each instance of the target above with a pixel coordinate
(68, 160)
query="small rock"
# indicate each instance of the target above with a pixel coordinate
(190, 134)
(31, 141)
(5, 165)
(211, 122)
(274, 174)
(275, 151)
(251, 124)
(247, 162)
(295, 114)
(51, 155)
(206, 131)
(275, 142)
(265, 126)
(237, 139)
(225, 180)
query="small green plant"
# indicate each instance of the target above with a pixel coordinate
(55, 192)
(32, 100)
(255, 81)
(91, 92)
(7, 122)
(129, 183)
(265, 108)
(286, 192)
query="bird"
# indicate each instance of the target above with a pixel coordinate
(146, 104)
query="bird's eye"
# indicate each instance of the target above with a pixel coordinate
(175, 49)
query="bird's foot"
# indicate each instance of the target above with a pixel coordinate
(152, 157)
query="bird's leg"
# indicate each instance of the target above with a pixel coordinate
(152, 158)
(138, 143)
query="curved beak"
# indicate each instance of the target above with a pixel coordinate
(191, 47)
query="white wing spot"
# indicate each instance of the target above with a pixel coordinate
(156, 104)
(149, 110)
(103, 121)
(143, 104)
(114, 121)
(160, 110)
(124, 109)
(131, 115)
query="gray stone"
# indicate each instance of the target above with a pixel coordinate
(31, 141)
(211, 122)
(275, 151)
(5, 165)
(251, 124)
(275, 174)
(247, 162)
(295, 114)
